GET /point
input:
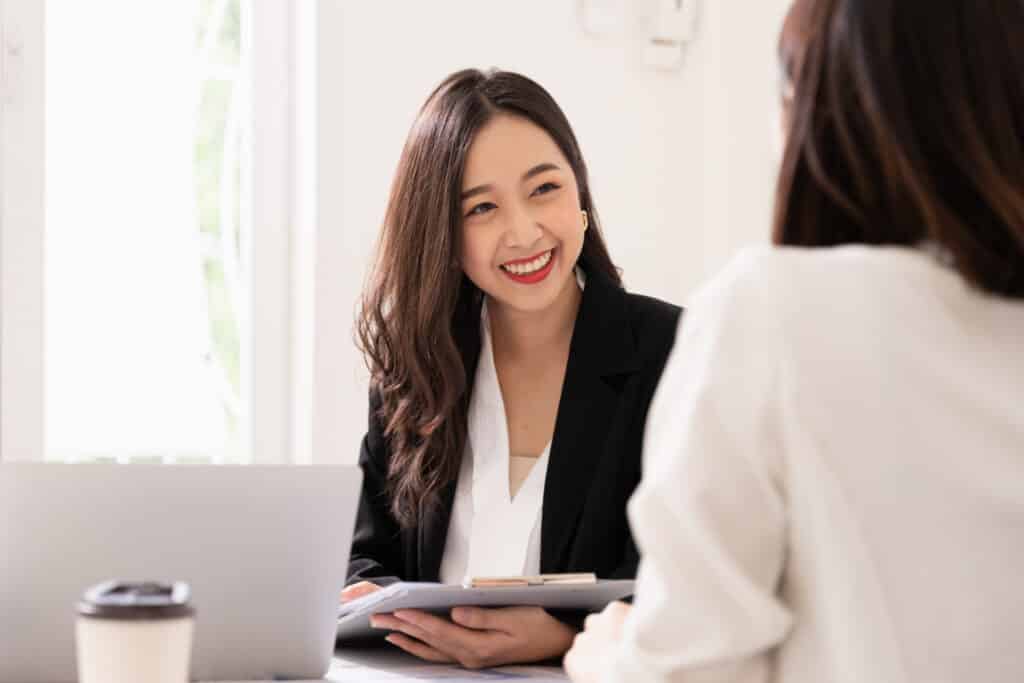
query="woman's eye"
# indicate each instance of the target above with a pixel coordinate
(545, 188)
(481, 209)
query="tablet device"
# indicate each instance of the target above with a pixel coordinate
(439, 598)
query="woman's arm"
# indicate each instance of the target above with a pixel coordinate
(709, 516)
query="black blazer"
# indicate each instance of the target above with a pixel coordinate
(619, 346)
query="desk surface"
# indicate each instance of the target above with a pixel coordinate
(394, 666)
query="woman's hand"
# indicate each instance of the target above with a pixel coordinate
(591, 651)
(358, 590)
(478, 638)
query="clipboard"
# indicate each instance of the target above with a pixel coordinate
(440, 598)
(539, 580)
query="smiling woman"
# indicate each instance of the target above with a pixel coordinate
(518, 230)
(511, 373)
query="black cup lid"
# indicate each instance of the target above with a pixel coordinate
(127, 601)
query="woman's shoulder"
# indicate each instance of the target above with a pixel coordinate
(777, 263)
(787, 296)
(653, 312)
(654, 321)
(795, 277)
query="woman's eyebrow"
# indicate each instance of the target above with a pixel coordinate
(536, 170)
(479, 189)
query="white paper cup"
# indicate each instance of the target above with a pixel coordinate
(134, 633)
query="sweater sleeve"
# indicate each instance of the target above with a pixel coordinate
(709, 516)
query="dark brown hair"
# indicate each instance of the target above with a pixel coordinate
(420, 318)
(907, 127)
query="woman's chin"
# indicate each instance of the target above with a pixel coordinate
(534, 298)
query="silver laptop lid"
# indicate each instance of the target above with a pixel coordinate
(264, 549)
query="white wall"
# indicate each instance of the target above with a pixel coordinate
(21, 230)
(682, 163)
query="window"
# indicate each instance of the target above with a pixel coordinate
(145, 221)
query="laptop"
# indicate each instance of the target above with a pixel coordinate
(264, 549)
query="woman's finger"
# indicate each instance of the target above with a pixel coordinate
(358, 590)
(418, 649)
(462, 643)
(393, 623)
(617, 609)
(478, 619)
(438, 626)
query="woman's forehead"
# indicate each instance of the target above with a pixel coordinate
(506, 147)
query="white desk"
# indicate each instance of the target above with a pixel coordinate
(394, 666)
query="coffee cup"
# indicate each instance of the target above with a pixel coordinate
(132, 632)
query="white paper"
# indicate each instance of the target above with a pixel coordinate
(392, 665)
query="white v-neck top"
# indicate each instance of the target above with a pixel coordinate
(519, 469)
(491, 531)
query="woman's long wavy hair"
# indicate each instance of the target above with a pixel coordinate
(906, 126)
(420, 318)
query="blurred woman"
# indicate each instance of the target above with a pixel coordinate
(834, 476)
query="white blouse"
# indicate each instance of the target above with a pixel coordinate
(834, 480)
(495, 524)
(492, 532)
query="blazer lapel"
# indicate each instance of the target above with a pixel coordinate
(602, 348)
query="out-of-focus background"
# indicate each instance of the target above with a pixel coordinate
(190, 193)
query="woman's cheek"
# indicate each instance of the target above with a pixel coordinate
(563, 219)
(478, 249)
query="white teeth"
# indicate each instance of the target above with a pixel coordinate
(530, 266)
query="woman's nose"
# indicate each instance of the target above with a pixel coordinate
(523, 229)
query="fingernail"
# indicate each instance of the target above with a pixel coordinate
(374, 622)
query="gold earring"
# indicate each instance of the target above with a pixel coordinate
(586, 220)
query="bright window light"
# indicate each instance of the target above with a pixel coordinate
(145, 275)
